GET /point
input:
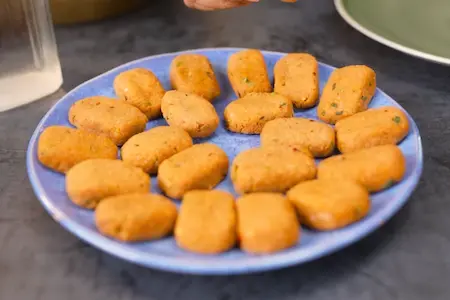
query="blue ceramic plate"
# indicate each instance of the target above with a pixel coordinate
(164, 254)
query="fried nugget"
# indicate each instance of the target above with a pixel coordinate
(348, 91)
(60, 148)
(142, 89)
(270, 170)
(374, 127)
(297, 78)
(207, 222)
(267, 223)
(328, 204)
(115, 119)
(147, 150)
(194, 74)
(190, 112)
(247, 73)
(201, 166)
(299, 133)
(376, 168)
(249, 114)
(91, 181)
(136, 217)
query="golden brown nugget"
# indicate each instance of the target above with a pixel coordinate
(190, 112)
(249, 114)
(201, 166)
(270, 170)
(297, 149)
(297, 78)
(206, 222)
(328, 204)
(60, 148)
(147, 150)
(376, 168)
(374, 127)
(91, 181)
(142, 89)
(193, 73)
(115, 119)
(348, 91)
(247, 73)
(136, 217)
(267, 223)
(298, 133)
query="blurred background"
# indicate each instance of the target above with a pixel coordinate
(152, 27)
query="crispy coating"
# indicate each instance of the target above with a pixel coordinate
(190, 112)
(270, 170)
(297, 78)
(60, 148)
(193, 73)
(374, 127)
(142, 89)
(136, 217)
(147, 150)
(206, 222)
(247, 73)
(249, 114)
(91, 181)
(299, 133)
(267, 223)
(376, 168)
(328, 204)
(115, 119)
(348, 91)
(201, 166)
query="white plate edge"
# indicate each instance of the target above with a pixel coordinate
(339, 4)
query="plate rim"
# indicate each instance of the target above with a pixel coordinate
(341, 9)
(281, 260)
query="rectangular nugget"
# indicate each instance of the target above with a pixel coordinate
(375, 168)
(142, 89)
(299, 133)
(328, 204)
(377, 126)
(115, 119)
(247, 73)
(271, 169)
(250, 113)
(60, 148)
(267, 223)
(206, 222)
(147, 150)
(196, 115)
(193, 73)
(348, 91)
(91, 181)
(201, 166)
(136, 217)
(297, 78)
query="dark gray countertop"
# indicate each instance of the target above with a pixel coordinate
(408, 258)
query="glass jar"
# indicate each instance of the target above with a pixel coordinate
(29, 63)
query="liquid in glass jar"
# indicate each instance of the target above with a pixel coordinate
(29, 63)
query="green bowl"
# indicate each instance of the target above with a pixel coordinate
(417, 27)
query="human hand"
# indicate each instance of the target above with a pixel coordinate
(217, 4)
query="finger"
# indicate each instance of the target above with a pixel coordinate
(208, 5)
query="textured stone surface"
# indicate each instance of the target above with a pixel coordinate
(408, 258)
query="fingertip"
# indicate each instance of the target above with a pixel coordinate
(189, 3)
